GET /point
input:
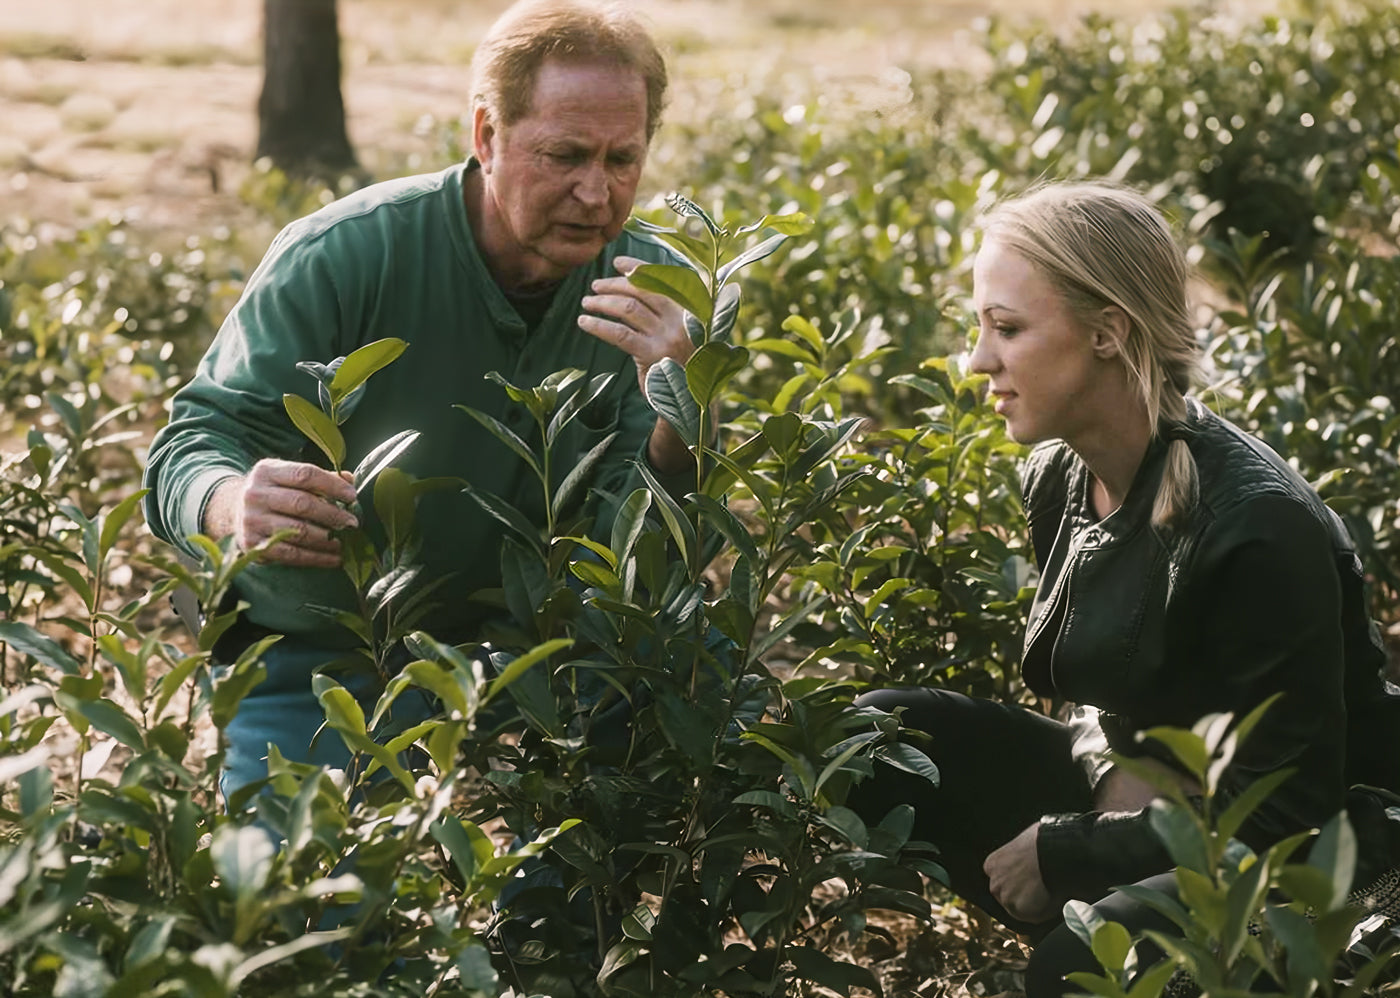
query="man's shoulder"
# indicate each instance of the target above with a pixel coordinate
(402, 201)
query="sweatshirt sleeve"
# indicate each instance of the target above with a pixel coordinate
(231, 414)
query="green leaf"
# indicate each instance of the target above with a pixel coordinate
(356, 369)
(909, 759)
(115, 520)
(785, 627)
(811, 336)
(386, 590)
(174, 680)
(578, 474)
(1113, 948)
(669, 394)
(1248, 800)
(1188, 747)
(451, 833)
(847, 824)
(475, 972)
(680, 284)
(230, 691)
(769, 799)
(726, 312)
(1182, 834)
(318, 428)
(688, 729)
(512, 671)
(395, 502)
(601, 550)
(814, 965)
(698, 251)
(575, 403)
(783, 432)
(1334, 854)
(887, 589)
(682, 531)
(622, 953)
(1242, 730)
(687, 208)
(751, 255)
(282, 951)
(793, 223)
(27, 641)
(382, 456)
(591, 573)
(1083, 921)
(1242, 901)
(69, 573)
(1306, 960)
(628, 525)
(343, 711)
(711, 368)
(1152, 981)
(505, 435)
(455, 686)
(724, 520)
(105, 716)
(508, 515)
(730, 467)
(242, 857)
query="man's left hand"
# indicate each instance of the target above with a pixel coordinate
(1014, 873)
(648, 326)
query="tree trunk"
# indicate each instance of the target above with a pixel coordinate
(301, 117)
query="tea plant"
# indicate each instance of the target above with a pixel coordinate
(707, 787)
(1247, 923)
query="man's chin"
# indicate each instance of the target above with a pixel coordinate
(573, 252)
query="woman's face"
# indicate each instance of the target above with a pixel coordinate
(1039, 356)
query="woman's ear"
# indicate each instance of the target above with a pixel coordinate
(1111, 332)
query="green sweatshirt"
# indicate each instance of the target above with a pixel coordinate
(396, 259)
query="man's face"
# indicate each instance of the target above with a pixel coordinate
(559, 183)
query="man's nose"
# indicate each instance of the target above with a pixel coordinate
(591, 188)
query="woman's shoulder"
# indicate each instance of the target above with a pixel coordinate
(1243, 481)
(1045, 474)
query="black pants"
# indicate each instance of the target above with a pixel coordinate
(1001, 768)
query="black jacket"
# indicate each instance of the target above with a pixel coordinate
(1258, 592)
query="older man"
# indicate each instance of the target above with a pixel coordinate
(513, 262)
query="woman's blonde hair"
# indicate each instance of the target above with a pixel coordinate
(1101, 245)
(508, 60)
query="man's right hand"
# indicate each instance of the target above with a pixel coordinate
(284, 495)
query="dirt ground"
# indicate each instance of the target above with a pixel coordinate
(147, 106)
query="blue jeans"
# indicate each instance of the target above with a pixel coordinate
(283, 711)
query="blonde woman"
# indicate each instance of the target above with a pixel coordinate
(1185, 569)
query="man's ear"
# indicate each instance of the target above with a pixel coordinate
(484, 137)
(1111, 332)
